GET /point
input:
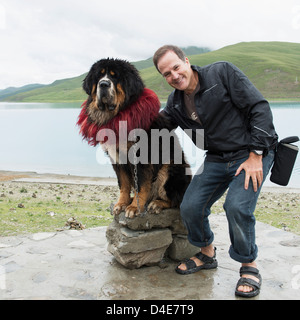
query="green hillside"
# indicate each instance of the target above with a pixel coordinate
(189, 51)
(272, 66)
(13, 91)
(66, 90)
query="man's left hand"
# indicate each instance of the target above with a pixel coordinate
(253, 169)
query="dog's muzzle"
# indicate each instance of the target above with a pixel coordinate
(105, 95)
(104, 84)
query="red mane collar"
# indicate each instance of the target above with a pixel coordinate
(139, 114)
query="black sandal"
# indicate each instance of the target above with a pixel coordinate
(191, 267)
(249, 282)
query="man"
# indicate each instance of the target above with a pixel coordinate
(239, 137)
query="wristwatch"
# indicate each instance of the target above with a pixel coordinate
(258, 152)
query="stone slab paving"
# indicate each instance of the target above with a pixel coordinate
(75, 264)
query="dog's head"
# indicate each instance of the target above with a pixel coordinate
(112, 85)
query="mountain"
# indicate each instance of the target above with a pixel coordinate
(11, 91)
(191, 50)
(273, 67)
(66, 90)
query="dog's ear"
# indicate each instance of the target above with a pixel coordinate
(135, 84)
(88, 82)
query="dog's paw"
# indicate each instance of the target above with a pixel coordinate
(154, 207)
(118, 208)
(131, 211)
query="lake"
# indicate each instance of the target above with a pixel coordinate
(43, 137)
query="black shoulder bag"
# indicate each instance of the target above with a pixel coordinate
(285, 157)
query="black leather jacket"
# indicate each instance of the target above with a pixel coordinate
(233, 113)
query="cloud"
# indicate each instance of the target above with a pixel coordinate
(42, 41)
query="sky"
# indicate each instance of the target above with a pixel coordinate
(45, 40)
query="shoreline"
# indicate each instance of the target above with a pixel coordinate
(40, 202)
(34, 177)
(279, 100)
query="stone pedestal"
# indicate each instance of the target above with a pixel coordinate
(147, 239)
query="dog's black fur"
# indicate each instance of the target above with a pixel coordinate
(113, 85)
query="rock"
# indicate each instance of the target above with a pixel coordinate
(137, 260)
(134, 249)
(131, 241)
(72, 223)
(178, 227)
(181, 248)
(167, 218)
(51, 213)
(147, 239)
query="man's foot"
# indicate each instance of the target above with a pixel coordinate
(206, 259)
(250, 281)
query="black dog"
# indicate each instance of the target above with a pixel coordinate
(117, 95)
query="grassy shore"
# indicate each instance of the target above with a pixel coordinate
(27, 207)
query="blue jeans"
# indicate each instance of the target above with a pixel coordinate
(207, 186)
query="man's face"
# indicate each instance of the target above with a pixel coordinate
(177, 73)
